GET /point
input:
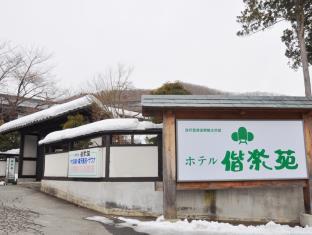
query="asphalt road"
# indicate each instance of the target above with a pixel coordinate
(26, 210)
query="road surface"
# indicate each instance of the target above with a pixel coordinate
(26, 210)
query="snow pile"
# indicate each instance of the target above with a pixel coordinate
(99, 126)
(47, 114)
(101, 219)
(198, 227)
(11, 151)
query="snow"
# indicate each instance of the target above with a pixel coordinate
(199, 227)
(11, 151)
(99, 126)
(47, 114)
(101, 219)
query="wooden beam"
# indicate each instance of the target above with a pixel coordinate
(21, 155)
(240, 184)
(308, 146)
(169, 166)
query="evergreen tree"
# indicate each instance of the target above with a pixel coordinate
(9, 141)
(74, 121)
(169, 88)
(259, 15)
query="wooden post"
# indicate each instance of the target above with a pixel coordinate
(308, 146)
(169, 165)
(21, 155)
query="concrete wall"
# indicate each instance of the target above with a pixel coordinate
(261, 204)
(116, 198)
(250, 205)
(139, 161)
(140, 198)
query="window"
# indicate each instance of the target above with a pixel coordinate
(87, 143)
(135, 139)
(95, 142)
(57, 148)
(121, 139)
(145, 139)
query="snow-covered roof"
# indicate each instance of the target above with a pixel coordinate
(46, 114)
(99, 126)
(11, 152)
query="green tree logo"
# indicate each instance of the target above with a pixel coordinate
(242, 135)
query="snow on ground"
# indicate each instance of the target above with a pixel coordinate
(200, 227)
(101, 219)
(99, 126)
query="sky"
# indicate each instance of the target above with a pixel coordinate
(163, 40)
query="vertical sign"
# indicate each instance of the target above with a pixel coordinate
(10, 168)
(210, 150)
(85, 163)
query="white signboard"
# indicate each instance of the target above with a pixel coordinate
(240, 150)
(85, 163)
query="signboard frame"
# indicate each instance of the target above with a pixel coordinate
(253, 181)
(98, 163)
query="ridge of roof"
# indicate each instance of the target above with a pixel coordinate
(221, 101)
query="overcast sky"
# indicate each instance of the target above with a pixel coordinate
(193, 41)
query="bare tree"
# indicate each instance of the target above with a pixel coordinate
(109, 87)
(25, 77)
(9, 61)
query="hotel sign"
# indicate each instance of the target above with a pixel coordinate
(210, 150)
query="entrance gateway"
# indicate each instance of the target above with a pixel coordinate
(223, 143)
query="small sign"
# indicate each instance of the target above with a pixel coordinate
(85, 163)
(240, 150)
(10, 168)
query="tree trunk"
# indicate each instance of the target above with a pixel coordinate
(303, 50)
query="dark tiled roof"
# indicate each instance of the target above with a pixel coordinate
(219, 101)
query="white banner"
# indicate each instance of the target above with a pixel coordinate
(85, 163)
(240, 150)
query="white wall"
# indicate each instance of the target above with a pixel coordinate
(2, 168)
(134, 161)
(30, 146)
(56, 164)
(16, 167)
(29, 167)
